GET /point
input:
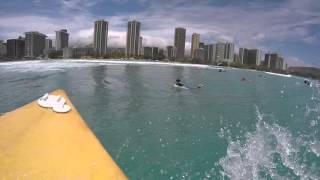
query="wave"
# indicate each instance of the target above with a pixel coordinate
(61, 65)
(43, 65)
(141, 62)
(277, 74)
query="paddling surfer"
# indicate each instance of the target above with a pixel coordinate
(178, 83)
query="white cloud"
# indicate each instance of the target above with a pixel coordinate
(81, 5)
(250, 25)
(120, 1)
(311, 39)
(294, 61)
(36, 1)
(117, 38)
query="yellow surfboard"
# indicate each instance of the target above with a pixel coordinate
(37, 143)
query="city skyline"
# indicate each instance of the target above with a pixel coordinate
(221, 52)
(293, 33)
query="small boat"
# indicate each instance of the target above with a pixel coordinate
(38, 143)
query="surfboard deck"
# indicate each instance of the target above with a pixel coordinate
(37, 143)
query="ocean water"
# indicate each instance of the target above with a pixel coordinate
(266, 127)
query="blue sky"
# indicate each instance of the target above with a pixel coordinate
(290, 27)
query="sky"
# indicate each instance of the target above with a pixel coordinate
(289, 27)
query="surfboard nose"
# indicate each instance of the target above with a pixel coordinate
(38, 143)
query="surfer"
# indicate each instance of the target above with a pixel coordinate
(306, 82)
(200, 86)
(178, 83)
(243, 79)
(106, 81)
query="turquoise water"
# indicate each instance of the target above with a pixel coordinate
(266, 127)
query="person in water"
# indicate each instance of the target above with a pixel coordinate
(178, 83)
(200, 86)
(306, 82)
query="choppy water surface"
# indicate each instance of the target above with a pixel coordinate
(264, 128)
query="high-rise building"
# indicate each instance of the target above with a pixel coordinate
(250, 56)
(133, 38)
(201, 45)
(198, 56)
(53, 54)
(3, 49)
(100, 40)
(254, 57)
(48, 44)
(210, 53)
(273, 61)
(62, 39)
(281, 64)
(81, 52)
(243, 55)
(195, 43)
(140, 47)
(15, 48)
(285, 66)
(179, 42)
(220, 49)
(68, 52)
(229, 52)
(160, 55)
(116, 52)
(171, 52)
(236, 58)
(34, 44)
(155, 52)
(48, 50)
(150, 52)
(147, 52)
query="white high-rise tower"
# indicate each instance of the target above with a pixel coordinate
(100, 40)
(133, 39)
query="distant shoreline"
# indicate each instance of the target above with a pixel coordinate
(109, 60)
(118, 61)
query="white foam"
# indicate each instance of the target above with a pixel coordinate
(43, 65)
(277, 74)
(315, 147)
(61, 65)
(142, 63)
(246, 160)
(314, 108)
